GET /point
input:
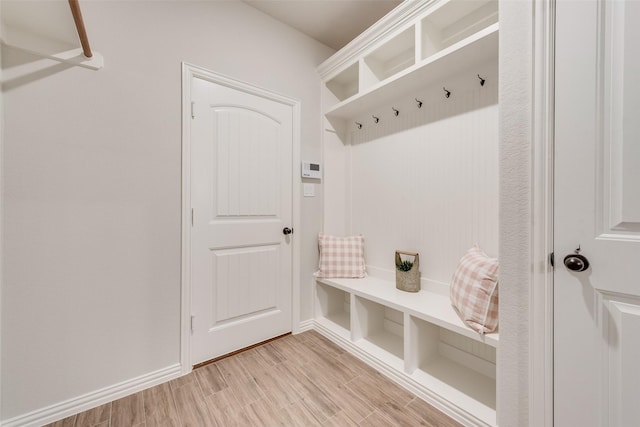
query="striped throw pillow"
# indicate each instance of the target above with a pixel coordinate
(474, 291)
(341, 256)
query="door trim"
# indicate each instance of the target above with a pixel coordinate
(190, 71)
(542, 160)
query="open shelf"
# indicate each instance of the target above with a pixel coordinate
(389, 59)
(418, 335)
(461, 386)
(345, 84)
(458, 369)
(478, 48)
(333, 308)
(426, 305)
(455, 21)
(378, 329)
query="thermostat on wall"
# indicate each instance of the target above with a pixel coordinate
(311, 170)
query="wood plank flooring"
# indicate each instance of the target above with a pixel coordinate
(299, 380)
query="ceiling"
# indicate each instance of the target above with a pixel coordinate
(331, 22)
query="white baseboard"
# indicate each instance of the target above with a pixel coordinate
(400, 378)
(305, 325)
(82, 403)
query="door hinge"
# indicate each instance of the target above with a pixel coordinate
(193, 114)
(552, 260)
(192, 323)
(192, 217)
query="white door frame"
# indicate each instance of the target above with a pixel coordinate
(190, 71)
(528, 30)
(542, 183)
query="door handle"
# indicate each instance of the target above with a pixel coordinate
(576, 262)
(286, 231)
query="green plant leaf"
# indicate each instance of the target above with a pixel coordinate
(405, 265)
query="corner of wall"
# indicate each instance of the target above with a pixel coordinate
(516, 104)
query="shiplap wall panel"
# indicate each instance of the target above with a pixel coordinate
(336, 157)
(427, 180)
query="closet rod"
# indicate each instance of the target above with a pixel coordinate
(82, 33)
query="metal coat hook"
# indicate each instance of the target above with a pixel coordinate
(481, 80)
(359, 125)
(447, 93)
(419, 103)
(395, 112)
(376, 119)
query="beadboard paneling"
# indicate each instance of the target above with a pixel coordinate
(424, 181)
(336, 157)
(427, 180)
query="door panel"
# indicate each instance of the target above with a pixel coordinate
(247, 145)
(241, 189)
(596, 207)
(623, 353)
(255, 276)
(620, 62)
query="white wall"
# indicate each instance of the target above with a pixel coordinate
(91, 286)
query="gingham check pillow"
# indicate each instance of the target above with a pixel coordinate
(474, 291)
(341, 256)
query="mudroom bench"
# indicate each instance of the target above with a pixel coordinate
(417, 339)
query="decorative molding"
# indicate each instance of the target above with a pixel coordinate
(306, 325)
(389, 24)
(188, 73)
(402, 379)
(296, 205)
(541, 284)
(91, 400)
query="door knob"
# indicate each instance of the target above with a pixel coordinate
(286, 231)
(576, 262)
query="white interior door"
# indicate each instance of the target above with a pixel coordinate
(241, 194)
(597, 207)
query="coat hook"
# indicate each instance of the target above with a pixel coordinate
(376, 119)
(419, 103)
(359, 125)
(395, 112)
(481, 80)
(447, 93)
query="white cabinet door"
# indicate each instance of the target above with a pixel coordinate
(597, 207)
(241, 192)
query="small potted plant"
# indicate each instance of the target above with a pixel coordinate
(407, 271)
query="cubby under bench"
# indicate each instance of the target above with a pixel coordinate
(417, 339)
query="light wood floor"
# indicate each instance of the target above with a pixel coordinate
(299, 380)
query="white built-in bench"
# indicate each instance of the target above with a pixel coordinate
(416, 339)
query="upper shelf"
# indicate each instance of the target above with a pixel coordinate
(450, 35)
(482, 46)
